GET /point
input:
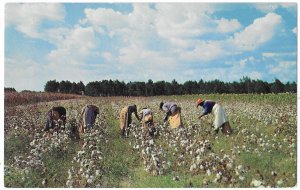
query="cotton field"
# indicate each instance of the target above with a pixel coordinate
(261, 152)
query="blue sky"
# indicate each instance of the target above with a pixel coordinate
(140, 41)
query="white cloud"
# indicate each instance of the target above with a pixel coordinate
(204, 51)
(278, 54)
(284, 70)
(290, 6)
(266, 7)
(225, 26)
(254, 75)
(74, 48)
(295, 30)
(183, 20)
(108, 56)
(243, 62)
(269, 54)
(20, 73)
(259, 32)
(145, 42)
(27, 17)
(282, 66)
(271, 7)
(105, 20)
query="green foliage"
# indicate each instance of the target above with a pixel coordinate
(150, 88)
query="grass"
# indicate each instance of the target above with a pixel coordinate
(119, 160)
(15, 146)
(57, 164)
(143, 179)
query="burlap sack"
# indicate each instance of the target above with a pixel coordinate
(175, 119)
(226, 129)
(124, 118)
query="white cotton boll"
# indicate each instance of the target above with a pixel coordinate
(193, 166)
(44, 182)
(97, 173)
(279, 183)
(240, 167)
(69, 183)
(273, 173)
(256, 183)
(242, 178)
(90, 180)
(208, 172)
(218, 176)
(33, 143)
(176, 178)
(201, 167)
(229, 166)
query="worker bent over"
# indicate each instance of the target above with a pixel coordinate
(126, 118)
(56, 118)
(147, 122)
(221, 120)
(173, 114)
(87, 119)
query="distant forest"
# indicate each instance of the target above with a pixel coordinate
(150, 88)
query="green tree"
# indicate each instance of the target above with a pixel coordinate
(51, 86)
(277, 86)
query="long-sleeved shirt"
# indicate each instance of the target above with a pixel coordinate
(145, 111)
(50, 117)
(89, 115)
(132, 109)
(208, 106)
(169, 107)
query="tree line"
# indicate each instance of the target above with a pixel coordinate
(150, 88)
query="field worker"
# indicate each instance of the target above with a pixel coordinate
(173, 113)
(126, 118)
(87, 119)
(56, 117)
(147, 122)
(221, 120)
(88, 116)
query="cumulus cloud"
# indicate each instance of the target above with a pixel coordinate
(259, 32)
(74, 48)
(204, 51)
(183, 20)
(28, 17)
(226, 26)
(146, 41)
(105, 20)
